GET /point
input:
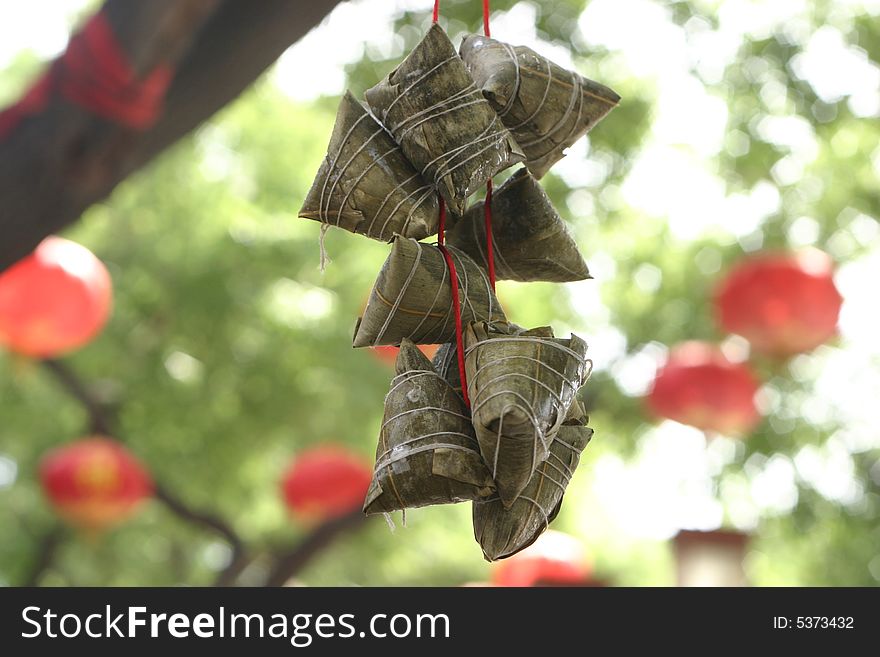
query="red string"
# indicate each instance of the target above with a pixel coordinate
(441, 244)
(486, 17)
(441, 223)
(456, 301)
(95, 74)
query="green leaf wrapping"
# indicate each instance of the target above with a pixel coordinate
(427, 452)
(412, 297)
(545, 107)
(530, 240)
(442, 122)
(445, 361)
(502, 532)
(366, 185)
(520, 386)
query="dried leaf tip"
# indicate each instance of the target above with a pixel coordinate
(411, 359)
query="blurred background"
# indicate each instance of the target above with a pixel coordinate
(745, 125)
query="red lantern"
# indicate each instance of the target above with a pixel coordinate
(699, 386)
(95, 482)
(388, 354)
(783, 304)
(326, 482)
(555, 559)
(54, 300)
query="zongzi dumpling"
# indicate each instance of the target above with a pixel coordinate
(530, 241)
(366, 185)
(546, 107)
(412, 297)
(521, 387)
(445, 127)
(502, 532)
(427, 452)
(445, 362)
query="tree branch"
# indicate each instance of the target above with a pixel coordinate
(238, 43)
(56, 164)
(45, 555)
(101, 421)
(158, 30)
(286, 565)
(212, 523)
(291, 563)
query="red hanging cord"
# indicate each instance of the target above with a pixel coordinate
(441, 244)
(485, 17)
(456, 301)
(441, 223)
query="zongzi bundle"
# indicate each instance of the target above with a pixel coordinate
(504, 532)
(546, 107)
(366, 185)
(442, 122)
(521, 387)
(427, 451)
(412, 297)
(530, 241)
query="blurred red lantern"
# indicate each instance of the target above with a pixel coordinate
(699, 386)
(783, 304)
(54, 300)
(388, 354)
(555, 559)
(94, 482)
(326, 482)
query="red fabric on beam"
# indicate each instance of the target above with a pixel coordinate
(33, 102)
(98, 76)
(94, 73)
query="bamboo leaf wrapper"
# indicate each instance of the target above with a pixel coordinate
(365, 184)
(412, 297)
(546, 107)
(427, 452)
(521, 387)
(530, 240)
(502, 532)
(443, 124)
